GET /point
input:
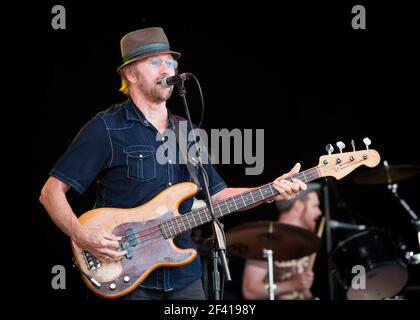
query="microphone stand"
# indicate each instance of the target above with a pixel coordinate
(218, 233)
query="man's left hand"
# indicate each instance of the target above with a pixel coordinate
(288, 190)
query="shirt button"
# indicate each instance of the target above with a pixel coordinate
(170, 161)
(141, 156)
(170, 183)
(163, 138)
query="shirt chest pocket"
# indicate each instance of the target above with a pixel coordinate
(141, 162)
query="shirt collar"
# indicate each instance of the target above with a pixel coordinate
(134, 114)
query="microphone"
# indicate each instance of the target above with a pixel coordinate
(334, 224)
(166, 82)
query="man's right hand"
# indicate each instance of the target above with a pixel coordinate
(302, 281)
(97, 242)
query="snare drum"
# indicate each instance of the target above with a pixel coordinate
(385, 275)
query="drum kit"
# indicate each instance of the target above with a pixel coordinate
(385, 272)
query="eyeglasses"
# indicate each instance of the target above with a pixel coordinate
(157, 62)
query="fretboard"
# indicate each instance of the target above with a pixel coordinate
(174, 226)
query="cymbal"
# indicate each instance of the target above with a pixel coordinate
(287, 242)
(379, 175)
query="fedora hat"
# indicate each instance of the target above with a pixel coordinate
(144, 43)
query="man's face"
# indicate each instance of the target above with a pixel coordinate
(150, 71)
(311, 212)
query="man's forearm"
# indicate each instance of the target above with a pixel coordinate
(58, 208)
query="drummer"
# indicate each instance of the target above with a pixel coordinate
(291, 277)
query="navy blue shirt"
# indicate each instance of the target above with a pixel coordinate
(118, 149)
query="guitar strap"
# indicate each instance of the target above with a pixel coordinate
(183, 147)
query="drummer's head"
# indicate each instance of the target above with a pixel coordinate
(303, 210)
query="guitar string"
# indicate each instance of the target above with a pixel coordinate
(306, 174)
(160, 235)
(195, 212)
(157, 229)
(156, 238)
(190, 216)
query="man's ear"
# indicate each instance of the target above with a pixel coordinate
(298, 208)
(129, 74)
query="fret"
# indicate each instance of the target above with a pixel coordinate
(199, 214)
(266, 192)
(227, 206)
(216, 208)
(234, 202)
(243, 199)
(171, 229)
(208, 215)
(252, 197)
(257, 196)
(183, 223)
(191, 221)
(230, 205)
(247, 197)
(163, 228)
(273, 191)
(299, 176)
(188, 221)
(203, 215)
(220, 214)
(177, 225)
(262, 196)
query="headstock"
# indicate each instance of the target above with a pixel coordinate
(339, 165)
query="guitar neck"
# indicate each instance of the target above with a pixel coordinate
(195, 218)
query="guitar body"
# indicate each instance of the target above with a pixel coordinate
(147, 247)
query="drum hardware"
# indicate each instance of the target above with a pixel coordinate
(412, 258)
(390, 175)
(271, 240)
(385, 274)
(393, 188)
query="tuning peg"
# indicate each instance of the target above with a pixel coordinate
(329, 148)
(352, 144)
(341, 145)
(367, 142)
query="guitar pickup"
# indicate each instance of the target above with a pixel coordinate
(127, 247)
(129, 254)
(131, 241)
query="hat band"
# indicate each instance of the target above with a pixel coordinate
(151, 47)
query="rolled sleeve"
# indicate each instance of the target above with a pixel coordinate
(216, 183)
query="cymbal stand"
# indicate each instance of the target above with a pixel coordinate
(267, 253)
(393, 188)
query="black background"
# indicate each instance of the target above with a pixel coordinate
(297, 70)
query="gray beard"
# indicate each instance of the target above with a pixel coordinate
(153, 94)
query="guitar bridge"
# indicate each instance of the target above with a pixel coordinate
(91, 262)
